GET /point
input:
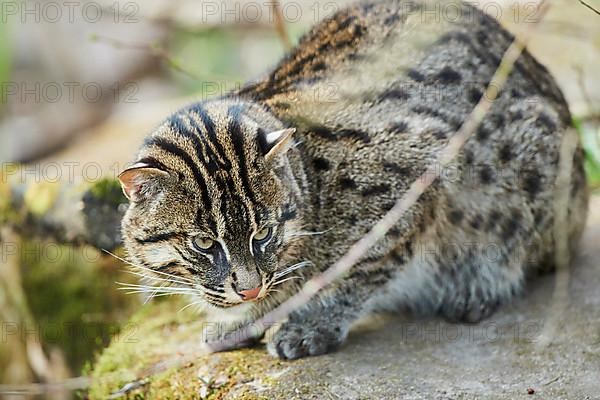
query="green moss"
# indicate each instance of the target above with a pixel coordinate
(72, 296)
(143, 345)
(5, 196)
(590, 139)
(166, 337)
(109, 190)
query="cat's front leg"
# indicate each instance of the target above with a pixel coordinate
(222, 336)
(321, 326)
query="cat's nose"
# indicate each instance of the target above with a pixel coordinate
(250, 294)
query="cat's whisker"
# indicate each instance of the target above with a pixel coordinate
(154, 278)
(285, 280)
(149, 269)
(154, 294)
(150, 297)
(291, 268)
(220, 303)
(194, 303)
(177, 277)
(157, 289)
(172, 288)
(308, 233)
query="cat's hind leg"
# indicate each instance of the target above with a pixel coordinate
(464, 288)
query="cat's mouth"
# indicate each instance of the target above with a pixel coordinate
(235, 296)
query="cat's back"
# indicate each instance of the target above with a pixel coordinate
(349, 65)
(405, 75)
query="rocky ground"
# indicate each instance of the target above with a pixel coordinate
(538, 347)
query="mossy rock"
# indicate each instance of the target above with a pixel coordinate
(159, 355)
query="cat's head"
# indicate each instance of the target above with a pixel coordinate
(213, 202)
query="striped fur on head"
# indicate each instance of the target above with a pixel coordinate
(215, 170)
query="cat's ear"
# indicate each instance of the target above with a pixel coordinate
(142, 180)
(276, 142)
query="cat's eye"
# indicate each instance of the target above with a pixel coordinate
(263, 235)
(203, 243)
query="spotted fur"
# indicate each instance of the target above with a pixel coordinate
(403, 85)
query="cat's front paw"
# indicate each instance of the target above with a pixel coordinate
(297, 339)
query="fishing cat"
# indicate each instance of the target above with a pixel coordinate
(241, 199)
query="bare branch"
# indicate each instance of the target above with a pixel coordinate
(45, 389)
(590, 7)
(280, 25)
(154, 49)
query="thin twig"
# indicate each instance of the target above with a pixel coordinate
(31, 389)
(128, 387)
(154, 49)
(581, 83)
(551, 381)
(562, 190)
(590, 7)
(417, 188)
(280, 25)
